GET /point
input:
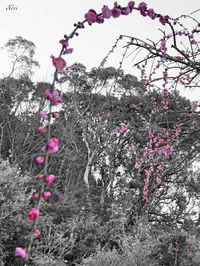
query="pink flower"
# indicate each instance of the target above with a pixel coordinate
(43, 115)
(167, 150)
(51, 94)
(39, 159)
(41, 130)
(145, 199)
(91, 16)
(145, 193)
(147, 173)
(59, 63)
(39, 177)
(123, 129)
(44, 149)
(52, 145)
(37, 233)
(138, 164)
(143, 8)
(158, 180)
(146, 154)
(116, 12)
(163, 19)
(20, 252)
(33, 214)
(64, 43)
(68, 51)
(165, 93)
(100, 19)
(131, 4)
(160, 168)
(151, 13)
(157, 150)
(54, 114)
(150, 134)
(46, 195)
(106, 12)
(178, 57)
(126, 11)
(36, 196)
(50, 179)
(56, 101)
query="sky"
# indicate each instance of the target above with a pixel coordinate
(44, 22)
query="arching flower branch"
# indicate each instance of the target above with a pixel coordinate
(54, 98)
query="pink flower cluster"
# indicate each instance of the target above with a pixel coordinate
(92, 17)
(53, 96)
(52, 146)
(159, 149)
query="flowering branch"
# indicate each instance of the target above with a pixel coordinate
(53, 96)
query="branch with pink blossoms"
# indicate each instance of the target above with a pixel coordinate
(53, 96)
(168, 60)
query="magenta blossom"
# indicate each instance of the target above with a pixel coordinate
(158, 180)
(20, 252)
(146, 154)
(143, 8)
(33, 214)
(100, 19)
(41, 130)
(165, 93)
(167, 150)
(56, 101)
(46, 195)
(59, 63)
(51, 94)
(36, 196)
(151, 13)
(126, 11)
(106, 12)
(64, 43)
(116, 12)
(150, 134)
(163, 19)
(55, 114)
(40, 176)
(91, 16)
(39, 159)
(131, 4)
(68, 51)
(124, 129)
(50, 179)
(52, 145)
(43, 115)
(160, 168)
